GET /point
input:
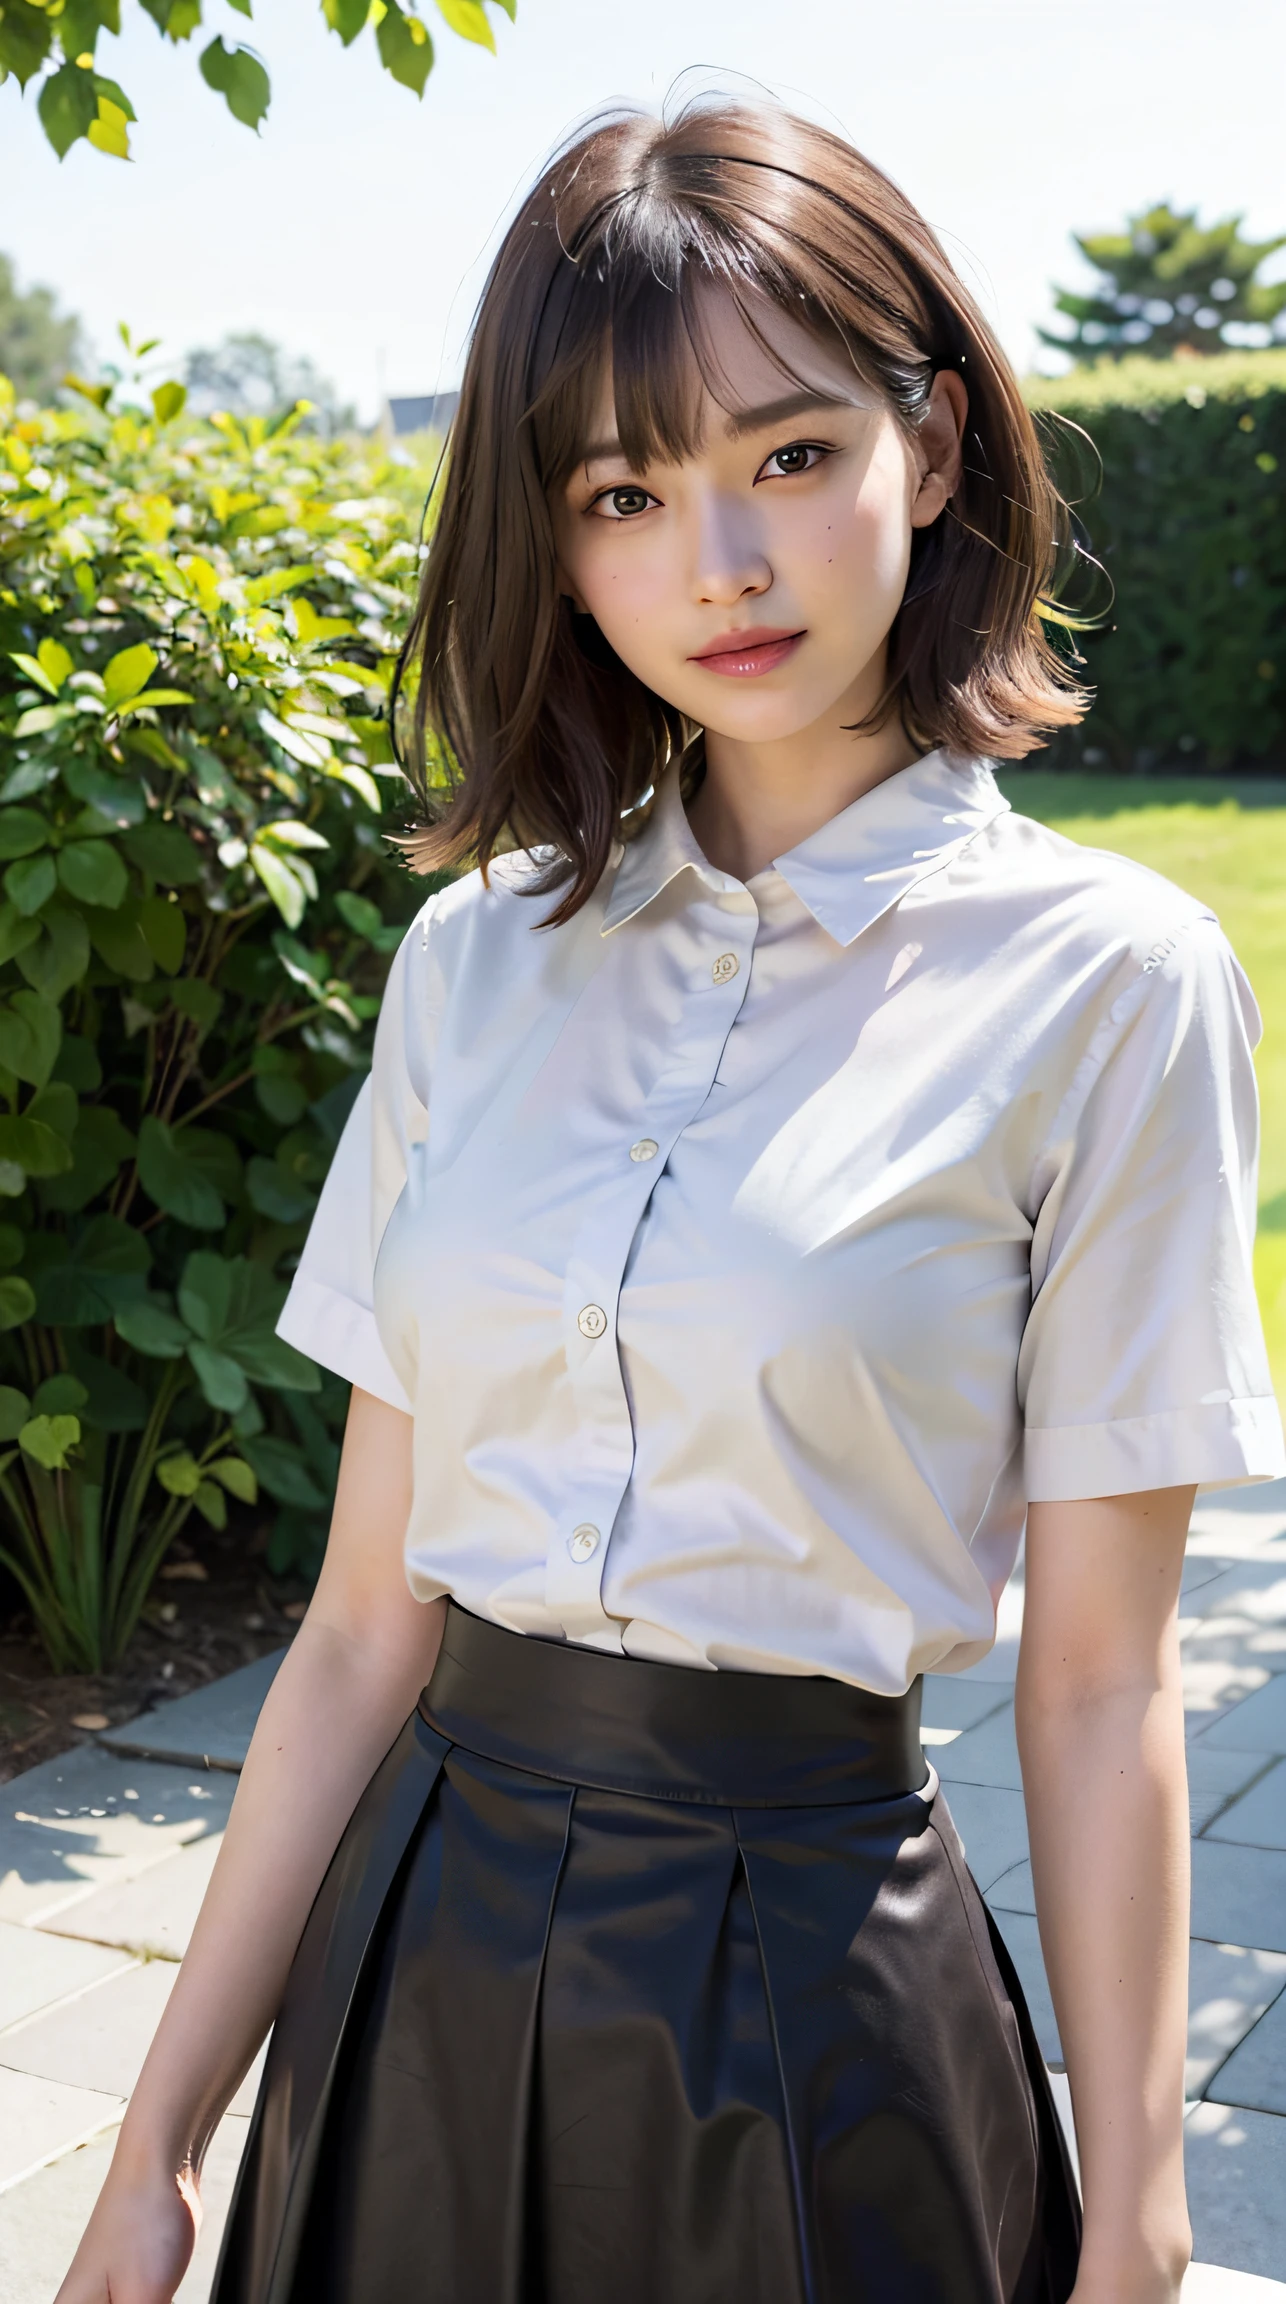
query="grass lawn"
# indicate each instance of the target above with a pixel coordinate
(1224, 839)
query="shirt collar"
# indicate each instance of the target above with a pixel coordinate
(848, 872)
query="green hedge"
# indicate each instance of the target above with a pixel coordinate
(197, 905)
(1189, 523)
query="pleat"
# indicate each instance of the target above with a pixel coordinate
(910, 2114)
(274, 2194)
(660, 2167)
(422, 2197)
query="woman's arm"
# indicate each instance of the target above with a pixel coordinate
(1100, 1733)
(351, 1679)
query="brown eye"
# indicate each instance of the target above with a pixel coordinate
(792, 459)
(625, 503)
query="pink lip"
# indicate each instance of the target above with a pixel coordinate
(742, 655)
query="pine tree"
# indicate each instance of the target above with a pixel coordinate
(1170, 285)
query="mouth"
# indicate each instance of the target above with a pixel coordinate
(745, 655)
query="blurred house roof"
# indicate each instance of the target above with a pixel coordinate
(427, 412)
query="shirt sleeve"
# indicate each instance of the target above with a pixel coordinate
(1143, 1362)
(330, 1311)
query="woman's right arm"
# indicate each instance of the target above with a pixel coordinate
(349, 1683)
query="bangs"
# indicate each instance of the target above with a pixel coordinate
(633, 299)
(522, 726)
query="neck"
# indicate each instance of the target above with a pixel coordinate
(759, 800)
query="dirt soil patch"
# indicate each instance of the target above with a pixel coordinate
(213, 1607)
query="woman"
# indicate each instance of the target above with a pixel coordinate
(783, 1168)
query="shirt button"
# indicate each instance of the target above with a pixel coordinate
(725, 967)
(592, 1321)
(583, 1541)
(646, 1148)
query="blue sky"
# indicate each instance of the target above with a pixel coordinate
(357, 226)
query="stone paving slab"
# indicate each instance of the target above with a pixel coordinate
(1258, 1818)
(98, 2040)
(1229, 1990)
(153, 1915)
(41, 2118)
(1257, 1724)
(1239, 1895)
(987, 1754)
(36, 1969)
(1236, 2170)
(1255, 2074)
(952, 1702)
(42, 2221)
(76, 1823)
(210, 1728)
(992, 1822)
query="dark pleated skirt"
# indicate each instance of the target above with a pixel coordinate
(632, 1984)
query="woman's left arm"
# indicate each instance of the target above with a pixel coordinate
(1100, 1734)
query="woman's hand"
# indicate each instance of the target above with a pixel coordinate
(349, 1682)
(138, 2242)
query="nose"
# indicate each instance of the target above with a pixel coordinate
(730, 561)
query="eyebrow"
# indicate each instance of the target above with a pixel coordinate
(740, 421)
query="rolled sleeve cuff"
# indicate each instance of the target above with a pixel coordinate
(342, 1336)
(1219, 1444)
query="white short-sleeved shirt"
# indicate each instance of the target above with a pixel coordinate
(750, 1254)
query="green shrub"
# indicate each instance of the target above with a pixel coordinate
(197, 904)
(1190, 525)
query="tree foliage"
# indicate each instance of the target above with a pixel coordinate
(250, 375)
(38, 344)
(197, 905)
(53, 44)
(1169, 284)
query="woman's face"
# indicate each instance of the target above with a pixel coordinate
(753, 585)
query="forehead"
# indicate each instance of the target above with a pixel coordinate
(736, 356)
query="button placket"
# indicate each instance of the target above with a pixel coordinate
(601, 1457)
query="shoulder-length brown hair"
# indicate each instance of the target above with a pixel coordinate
(547, 737)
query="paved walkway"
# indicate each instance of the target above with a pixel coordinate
(104, 1855)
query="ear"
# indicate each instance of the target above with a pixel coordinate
(567, 590)
(938, 447)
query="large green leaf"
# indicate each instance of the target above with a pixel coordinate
(15, 1409)
(233, 1304)
(240, 79)
(276, 1194)
(118, 938)
(68, 106)
(30, 1031)
(105, 1267)
(127, 672)
(26, 34)
(220, 1377)
(120, 800)
(58, 955)
(92, 872)
(113, 1401)
(16, 932)
(175, 1175)
(281, 1468)
(165, 851)
(33, 1146)
(406, 51)
(49, 1440)
(22, 832)
(153, 1329)
(165, 932)
(17, 1301)
(30, 883)
(99, 1148)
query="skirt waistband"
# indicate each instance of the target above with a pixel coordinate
(669, 1731)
